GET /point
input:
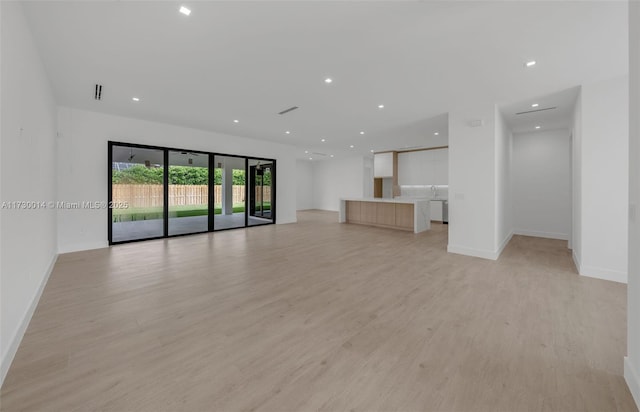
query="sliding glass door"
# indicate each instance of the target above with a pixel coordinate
(260, 192)
(137, 181)
(188, 192)
(162, 192)
(229, 186)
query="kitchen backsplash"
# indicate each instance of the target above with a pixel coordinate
(442, 191)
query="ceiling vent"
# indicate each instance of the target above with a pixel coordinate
(98, 93)
(538, 110)
(290, 109)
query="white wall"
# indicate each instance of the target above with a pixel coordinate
(83, 168)
(503, 170)
(576, 182)
(367, 177)
(632, 362)
(541, 182)
(28, 173)
(472, 226)
(425, 167)
(605, 179)
(304, 184)
(336, 178)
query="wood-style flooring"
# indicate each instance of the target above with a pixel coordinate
(321, 316)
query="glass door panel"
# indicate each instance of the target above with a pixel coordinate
(261, 175)
(229, 195)
(137, 180)
(188, 192)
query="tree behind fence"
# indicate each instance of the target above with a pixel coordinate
(152, 196)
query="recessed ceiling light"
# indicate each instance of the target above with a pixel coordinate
(436, 133)
(323, 140)
(371, 150)
(530, 63)
(331, 156)
(381, 106)
(535, 105)
(311, 158)
(361, 132)
(352, 146)
(306, 151)
(236, 121)
(185, 11)
(537, 127)
(288, 132)
(135, 99)
(328, 80)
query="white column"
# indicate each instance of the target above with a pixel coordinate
(227, 189)
(472, 180)
(632, 361)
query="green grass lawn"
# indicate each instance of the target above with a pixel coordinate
(149, 213)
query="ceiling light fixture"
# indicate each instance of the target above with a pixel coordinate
(535, 105)
(185, 11)
(537, 127)
(306, 151)
(352, 146)
(311, 158)
(331, 156)
(328, 80)
(530, 63)
(323, 140)
(381, 106)
(288, 132)
(371, 150)
(361, 132)
(436, 133)
(236, 121)
(135, 99)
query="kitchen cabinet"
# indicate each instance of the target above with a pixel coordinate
(385, 174)
(424, 167)
(436, 210)
(404, 214)
(441, 166)
(383, 164)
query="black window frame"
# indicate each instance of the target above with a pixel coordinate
(211, 198)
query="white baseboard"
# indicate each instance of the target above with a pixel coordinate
(460, 250)
(576, 260)
(22, 328)
(604, 274)
(632, 377)
(79, 247)
(504, 244)
(546, 235)
(598, 273)
(485, 254)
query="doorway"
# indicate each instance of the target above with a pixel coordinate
(261, 179)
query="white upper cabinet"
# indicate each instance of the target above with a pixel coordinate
(383, 165)
(441, 166)
(424, 167)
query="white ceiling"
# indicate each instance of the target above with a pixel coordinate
(251, 60)
(554, 111)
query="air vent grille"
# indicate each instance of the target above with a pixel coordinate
(538, 110)
(290, 109)
(98, 92)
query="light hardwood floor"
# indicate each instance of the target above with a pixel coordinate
(322, 316)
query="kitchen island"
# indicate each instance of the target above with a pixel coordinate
(405, 214)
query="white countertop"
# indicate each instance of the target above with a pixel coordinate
(438, 199)
(410, 200)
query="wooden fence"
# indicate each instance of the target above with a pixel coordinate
(152, 196)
